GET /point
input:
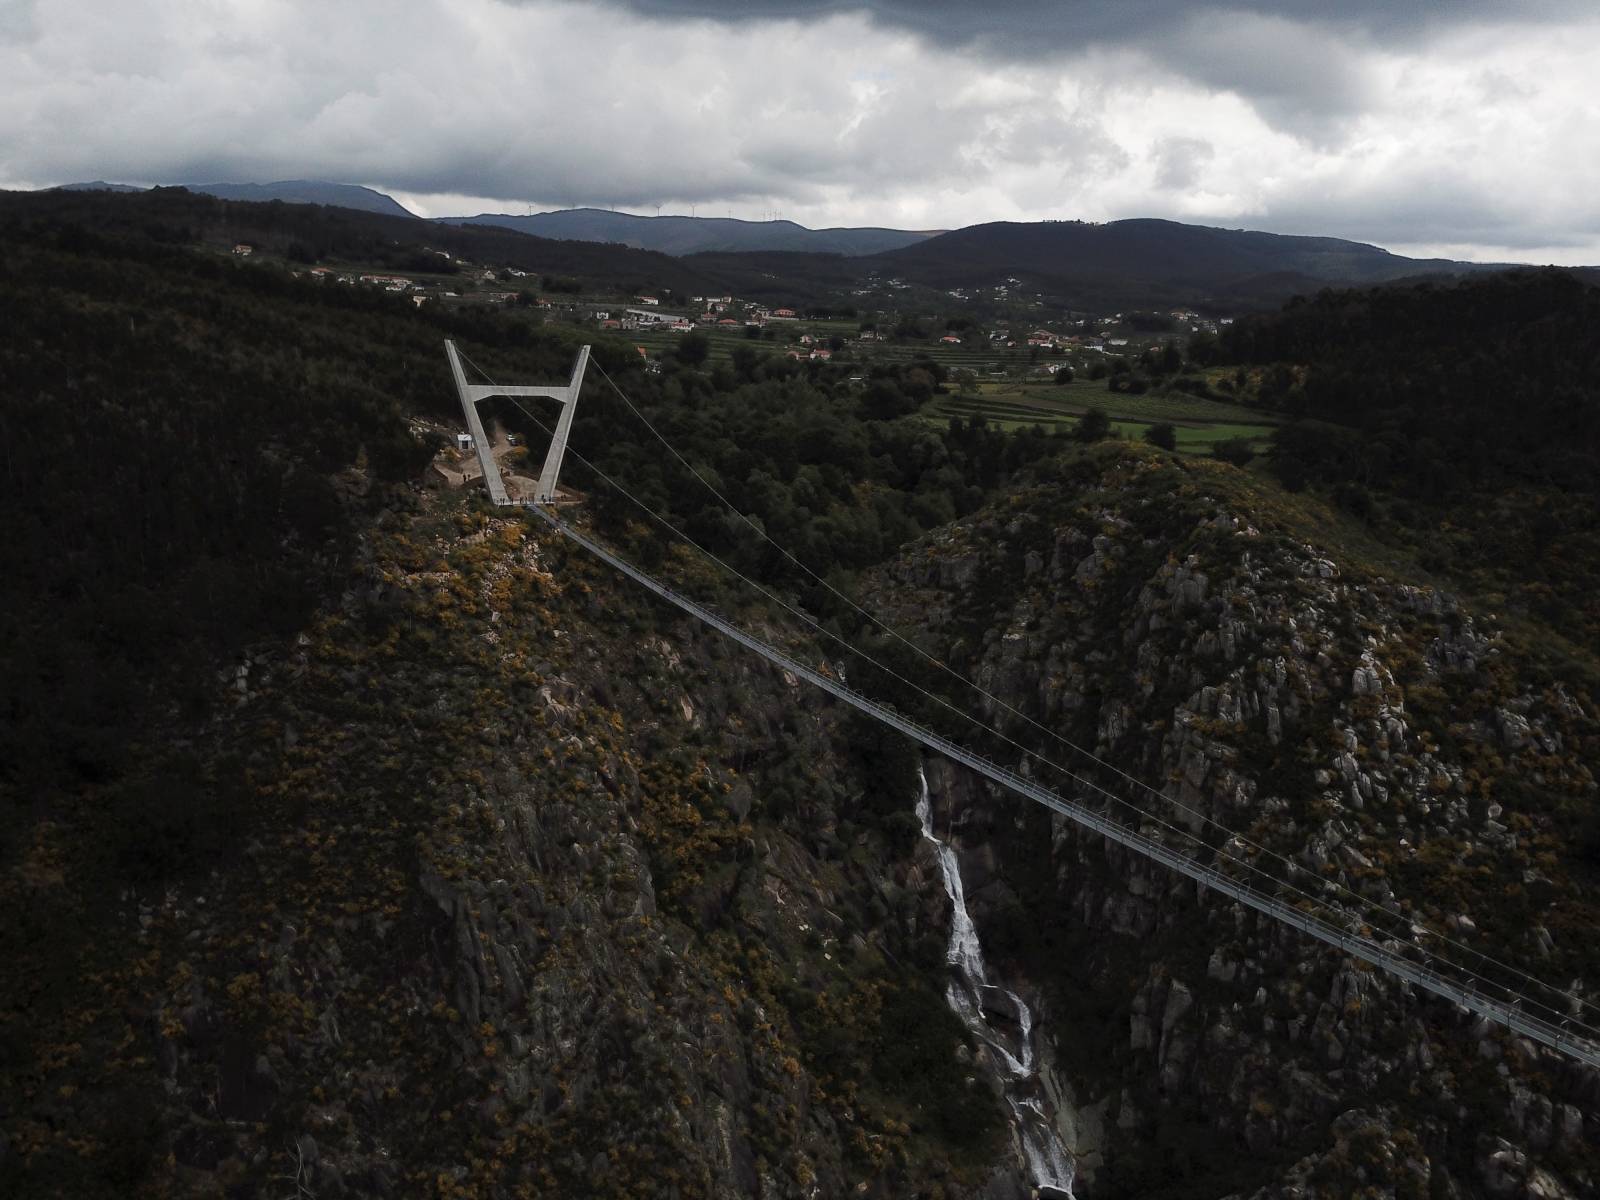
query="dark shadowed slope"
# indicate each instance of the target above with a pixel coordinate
(308, 191)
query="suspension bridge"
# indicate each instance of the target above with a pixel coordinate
(1519, 1008)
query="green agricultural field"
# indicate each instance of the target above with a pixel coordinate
(1200, 423)
(1150, 406)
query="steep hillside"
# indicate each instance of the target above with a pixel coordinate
(178, 427)
(692, 235)
(1461, 420)
(1387, 738)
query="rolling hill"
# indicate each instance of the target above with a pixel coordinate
(691, 235)
(1154, 261)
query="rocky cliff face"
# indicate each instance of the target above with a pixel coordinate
(1383, 737)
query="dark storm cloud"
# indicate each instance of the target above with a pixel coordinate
(1038, 27)
(1304, 64)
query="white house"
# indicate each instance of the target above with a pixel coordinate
(646, 317)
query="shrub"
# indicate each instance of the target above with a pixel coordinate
(1237, 451)
(1093, 426)
(1163, 434)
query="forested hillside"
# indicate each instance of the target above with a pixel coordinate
(179, 431)
(1463, 418)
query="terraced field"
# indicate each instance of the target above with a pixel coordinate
(1200, 423)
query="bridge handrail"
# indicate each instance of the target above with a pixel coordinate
(1514, 1018)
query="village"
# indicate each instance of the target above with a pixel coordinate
(922, 322)
(1000, 353)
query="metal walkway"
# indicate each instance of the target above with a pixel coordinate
(1554, 1034)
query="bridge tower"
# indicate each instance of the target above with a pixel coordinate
(471, 393)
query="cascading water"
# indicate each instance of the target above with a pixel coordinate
(1010, 1054)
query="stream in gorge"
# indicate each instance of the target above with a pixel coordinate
(1003, 1026)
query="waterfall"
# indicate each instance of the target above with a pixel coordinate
(1010, 1055)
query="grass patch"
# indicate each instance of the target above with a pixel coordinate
(1200, 423)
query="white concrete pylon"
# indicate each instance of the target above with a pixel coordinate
(471, 393)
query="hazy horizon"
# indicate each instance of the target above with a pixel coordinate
(440, 205)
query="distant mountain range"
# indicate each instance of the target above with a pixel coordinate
(695, 235)
(1119, 264)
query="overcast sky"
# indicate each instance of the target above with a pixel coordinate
(1467, 128)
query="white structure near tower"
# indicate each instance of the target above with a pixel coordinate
(471, 393)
